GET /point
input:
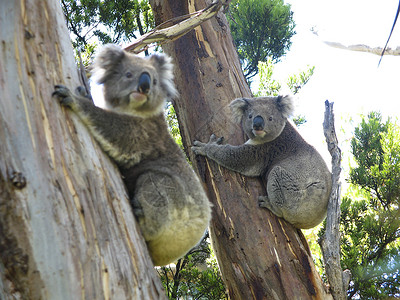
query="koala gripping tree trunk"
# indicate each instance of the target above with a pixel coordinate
(260, 255)
(66, 227)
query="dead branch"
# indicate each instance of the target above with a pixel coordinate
(162, 35)
(330, 242)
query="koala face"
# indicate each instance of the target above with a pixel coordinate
(132, 84)
(263, 118)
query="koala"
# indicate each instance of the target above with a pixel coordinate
(297, 180)
(167, 198)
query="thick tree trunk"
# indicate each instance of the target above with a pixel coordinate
(66, 227)
(260, 256)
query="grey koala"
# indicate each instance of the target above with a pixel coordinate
(168, 199)
(297, 179)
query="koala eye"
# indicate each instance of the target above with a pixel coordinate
(128, 75)
(154, 81)
(250, 116)
(270, 118)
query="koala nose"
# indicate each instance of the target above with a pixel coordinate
(258, 123)
(144, 83)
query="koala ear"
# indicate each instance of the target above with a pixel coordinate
(109, 56)
(285, 105)
(238, 107)
(164, 66)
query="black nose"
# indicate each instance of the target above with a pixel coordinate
(258, 123)
(144, 83)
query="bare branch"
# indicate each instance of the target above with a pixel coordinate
(365, 48)
(361, 47)
(330, 242)
(163, 35)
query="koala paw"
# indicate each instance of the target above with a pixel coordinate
(215, 140)
(81, 91)
(137, 208)
(264, 202)
(64, 95)
(199, 148)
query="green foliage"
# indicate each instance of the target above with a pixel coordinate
(260, 29)
(313, 235)
(271, 87)
(370, 218)
(296, 82)
(268, 86)
(111, 21)
(173, 124)
(196, 276)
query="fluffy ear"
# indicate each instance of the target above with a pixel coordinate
(238, 107)
(109, 56)
(164, 66)
(285, 105)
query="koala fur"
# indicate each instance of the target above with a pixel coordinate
(168, 199)
(297, 180)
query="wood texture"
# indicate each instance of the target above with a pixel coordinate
(66, 227)
(330, 242)
(260, 255)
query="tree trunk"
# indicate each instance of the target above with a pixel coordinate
(260, 255)
(66, 228)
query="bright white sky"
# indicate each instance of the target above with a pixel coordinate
(352, 80)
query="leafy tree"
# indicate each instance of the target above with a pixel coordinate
(173, 124)
(271, 87)
(370, 212)
(112, 21)
(297, 81)
(268, 86)
(260, 29)
(195, 276)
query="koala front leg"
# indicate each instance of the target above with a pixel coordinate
(79, 103)
(111, 130)
(244, 159)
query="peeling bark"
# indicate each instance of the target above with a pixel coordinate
(66, 228)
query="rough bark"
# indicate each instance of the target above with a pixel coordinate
(330, 242)
(66, 227)
(260, 255)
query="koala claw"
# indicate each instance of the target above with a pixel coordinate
(198, 148)
(215, 140)
(137, 208)
(82, 91)
(64, 94)
(264, 202)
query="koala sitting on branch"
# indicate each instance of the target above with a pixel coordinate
(297, 180)
(168, 199)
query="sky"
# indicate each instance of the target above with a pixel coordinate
(352, 80)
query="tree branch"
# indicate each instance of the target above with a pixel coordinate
(365, 48)
(163, 35)
(330, 242)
